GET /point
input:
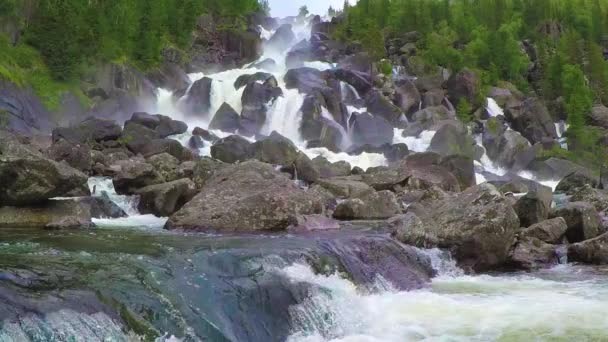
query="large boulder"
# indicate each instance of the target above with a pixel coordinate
(531, 118)
(54, 214)
(358, 80)
(232, 149)
(453, 139)
(599, 116)
(430, 116)
(345, 187)
(130, 175)
(90, 130)
(593, 251)
(255, 100)
(371, 130)
(305, 169)
(316, 127)
(328, 169)
(27, 177)
(407, 96)
(478, 226)
(550, 231)
(78, 156)
(505, 147)
(250, 196)
(204, 169)
(275, 149)
(166, 165)
(582, 220)
(197, 101)
(166, 198)
(576, 180)
(378, 105)
(245, 79)
(462, 167)
(158, 146)
(531, 254)
(304, 79)
(226, 119)
(463, 85)
(281, 39)
(371, 206)
(103, 207)
(534, 207)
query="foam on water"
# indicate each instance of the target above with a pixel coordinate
(99, 185)
(454, 308)
(364, 160)
(493, 108)
(420, 143)
(551, 183)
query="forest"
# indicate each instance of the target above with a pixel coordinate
(567, 38)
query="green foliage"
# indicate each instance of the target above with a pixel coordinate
(578, 101)
(303, 12)
(464, 111)
(385, 67)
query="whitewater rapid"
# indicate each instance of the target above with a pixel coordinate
(566, 303)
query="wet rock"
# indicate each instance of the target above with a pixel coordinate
(166, 165)
(430, 116)
(478, 226)
(77, 156)
(453, 139)
(378, 105)
(165, 199)
(597, 197)
(593, 251)
(345, 187)
(103, 207)
(255, 100)
(360, 81)
(163, 125)
(54, 214)
(226, 119)
(463, 85)
(205, 134)
(531, 118)
(371, 206)
(198, 99)
(250, 196)
(531, 254)
(195, 142)
(170, 146)
(204, 169)
(328, 169)
(534, 206)
(243, 80)
(550, 231)
(232, 149)
(462, 168)
(582, 220)
(576, 180)
(316, 128)
(27, 177)
(304, 79)
(281, 39)
(555, 168)
(90, 130)
(133, 174)
(310, 223)
(371, 130)
(407, 96)
(305, 169)
(275, 149)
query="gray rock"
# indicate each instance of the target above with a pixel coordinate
(309, 223)
(89, 130)
(165, 199)
(371, 206)
(593, 251)
(371, 130)
(534, 206)
(226, 119)
(582, 220)
(232, 149)
(250, 196)
(328, 170)
(463, 85)
(531, 254)
(133, 174)
(478, 226)
(54, 214)
(550, 231)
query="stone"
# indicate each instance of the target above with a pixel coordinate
(165, 199)
(550, 231)
(593, 251)
(345, 187)
(534, 206)
(531, 254)
(53, 214)
(89, 130)
(463, 85)
(232, 149)
(310, 223)
(372, 206)
(226, 119)
(582, 220)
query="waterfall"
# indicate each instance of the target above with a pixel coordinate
(493, 108)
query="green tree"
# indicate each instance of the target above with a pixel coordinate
(578, 101)
(464, 110)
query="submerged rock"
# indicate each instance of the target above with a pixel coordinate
(250, 196)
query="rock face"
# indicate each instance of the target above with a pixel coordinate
(574, 181)
(55, 214)
(594, 251)
(478, 226)
(582, 220)
(371, 206)
(250, 196)
(165, 199)
(26, 177)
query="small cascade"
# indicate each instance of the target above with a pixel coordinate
(493, 109)
(100, 185)
(561, 127)
(419, 143)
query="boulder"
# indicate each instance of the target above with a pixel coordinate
(205, 134)
(550, 231)
(505, 147)
(531, 118)
(371, 206)
(309, 223)
(576, 180)
(133, 174)
(407, 96)
(53, 214)
(597, 197)
(275, 149)
(463, 85)
(430, 116)
(165, 199)
(165, 165)
(478, 226)
(245, 79)
(195, 143)
(305, 169)
(380, 106)
(358, 80)
(163, 125)
(197, 101)
(534, 206)
(582, 220)
(90, 130)
(328, 169)
(250, 196)
(599, 116)
(255, 100)
(158, 146)
(555, 168)
(27, 177)
(462, 167)
(281, 39)
(371, 130)
(453, 139)
(204, 169)
(593, 251)
(304, 79)
(345, 187)
(531, 254)
(78, 156)
(226, 119)
(232, 149)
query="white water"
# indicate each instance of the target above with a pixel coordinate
(564, 304)
(98, 185)
(493, 108)
(420, 143)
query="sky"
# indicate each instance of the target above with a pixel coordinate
(284, 8)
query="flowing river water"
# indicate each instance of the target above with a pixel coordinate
(129, 280)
